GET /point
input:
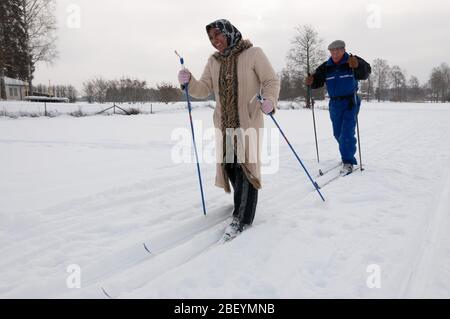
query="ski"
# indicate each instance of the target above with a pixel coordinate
(106, 293)
(146, 248)
(323, 172)
(227, 238)
(230, 236)
(322, 185)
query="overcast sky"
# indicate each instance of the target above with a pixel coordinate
(137, 38)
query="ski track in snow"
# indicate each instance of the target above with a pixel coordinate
(428, 239)
(434, 235)
(169, 257)
(332, 240)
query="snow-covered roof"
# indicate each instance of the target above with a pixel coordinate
(11, 81)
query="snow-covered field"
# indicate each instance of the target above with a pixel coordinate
(80, 196)
(35, 109)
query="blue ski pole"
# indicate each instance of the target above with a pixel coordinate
(316, 186)
(186, 90)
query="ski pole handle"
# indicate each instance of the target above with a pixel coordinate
(181, 59)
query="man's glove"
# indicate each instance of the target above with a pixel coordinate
(353, 62)
(309, 80)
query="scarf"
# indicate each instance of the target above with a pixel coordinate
(232, 34)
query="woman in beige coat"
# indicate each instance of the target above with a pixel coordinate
(235, 74)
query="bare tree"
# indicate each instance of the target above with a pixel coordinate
(125, 90)
(169, 93)
(113, 92)
(286, 89)
(445, 69)
(71, 93)
(440, 83)
(367, 88)
(305, 55)
(96, 90)
(414, 89)
(40, 26)
(89, 91)
(100, 89)
(436, 81)
(380, 73)
(398, 81)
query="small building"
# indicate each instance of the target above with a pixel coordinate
(15, 89)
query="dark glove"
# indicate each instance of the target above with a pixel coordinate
(309, 80)
(353, 62)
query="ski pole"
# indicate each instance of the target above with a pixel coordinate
(316, 186)
(357, 125)
(359, 143)
(186, 90)
(315, 129)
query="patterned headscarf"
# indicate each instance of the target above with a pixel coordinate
(232, 34)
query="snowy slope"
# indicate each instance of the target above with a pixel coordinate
(90, 191)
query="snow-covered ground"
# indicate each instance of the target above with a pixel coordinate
(35, 109)
(84, 194)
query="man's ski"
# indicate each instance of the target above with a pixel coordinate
(325, 171)
(322, 185)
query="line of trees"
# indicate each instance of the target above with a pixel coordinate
(390, 83)
(440, 83)
(67, 91)
(387, 83)
(27, 36)
(127, 90)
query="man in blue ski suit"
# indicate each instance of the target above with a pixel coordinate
(341, 73)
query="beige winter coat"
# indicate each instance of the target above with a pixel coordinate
(255, 74)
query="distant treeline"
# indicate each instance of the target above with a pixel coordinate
(128, 90)
(67, 91)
